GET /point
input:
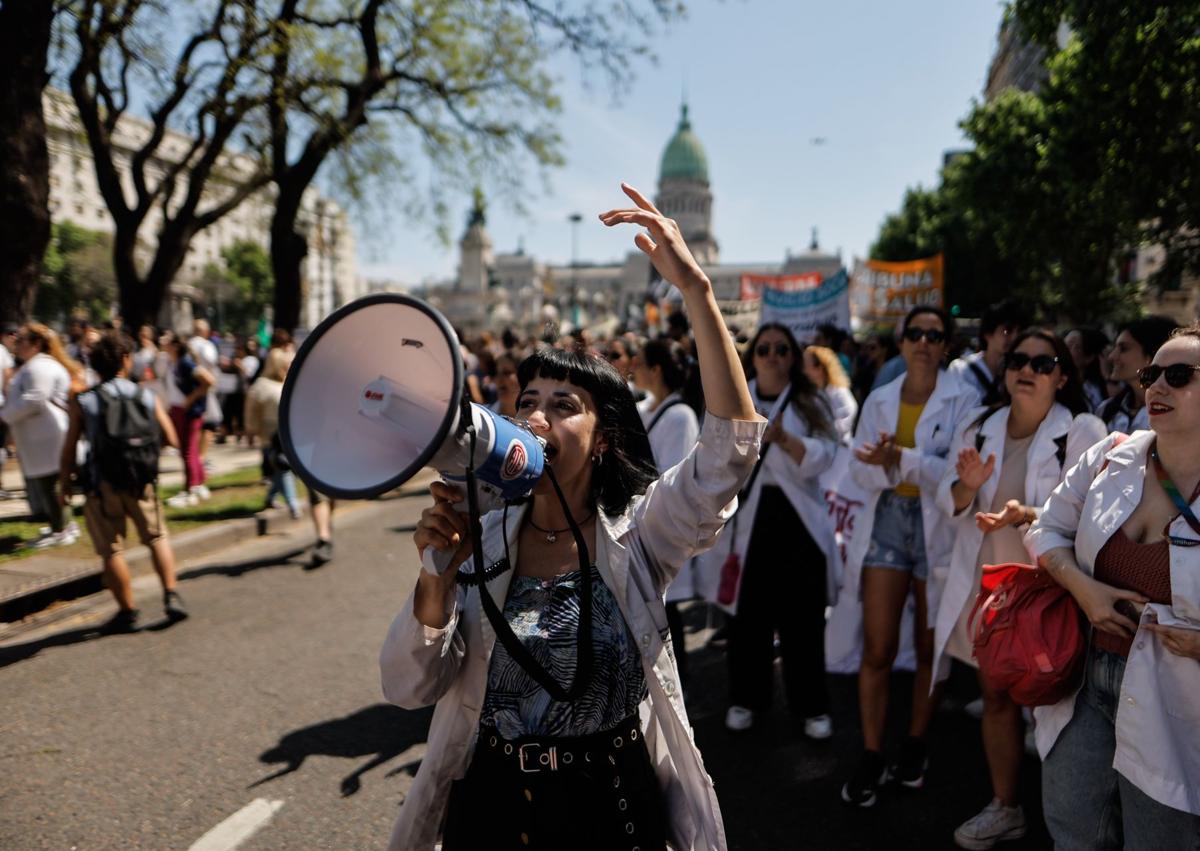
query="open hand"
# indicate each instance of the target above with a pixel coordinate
(1012, 515)
(664, 243)
(972, 470)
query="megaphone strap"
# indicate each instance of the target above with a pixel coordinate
(504, 633)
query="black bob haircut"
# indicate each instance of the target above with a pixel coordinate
(627, 467)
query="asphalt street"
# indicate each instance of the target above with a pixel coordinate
(259, 721)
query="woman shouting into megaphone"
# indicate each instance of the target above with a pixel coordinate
(560, 720)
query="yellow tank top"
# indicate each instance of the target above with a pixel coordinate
(906, 436)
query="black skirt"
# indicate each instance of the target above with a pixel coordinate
(586, 793)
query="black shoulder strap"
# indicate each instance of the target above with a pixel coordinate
(979, 428)
(662, 409)
(984, 380)
(1060, 450)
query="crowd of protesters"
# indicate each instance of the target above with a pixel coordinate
(996, 449)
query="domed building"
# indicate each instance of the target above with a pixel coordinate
(587, 294)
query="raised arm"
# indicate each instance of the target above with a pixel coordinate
(725, 392)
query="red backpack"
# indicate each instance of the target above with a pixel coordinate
(1029, 632)
(1029, 635)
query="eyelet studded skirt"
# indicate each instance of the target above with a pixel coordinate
(586, 793)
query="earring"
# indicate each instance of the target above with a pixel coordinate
(598, 458)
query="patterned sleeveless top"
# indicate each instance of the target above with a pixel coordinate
(544, 615)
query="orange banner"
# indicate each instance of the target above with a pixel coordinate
(882, 290)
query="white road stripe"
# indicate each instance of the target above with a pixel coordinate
(239, 827)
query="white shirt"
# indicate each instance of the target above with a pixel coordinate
(36, 411)
(845, 408)
(1158, 713)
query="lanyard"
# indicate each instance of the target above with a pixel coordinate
(1185, 509)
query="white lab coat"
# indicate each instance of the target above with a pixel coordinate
(672, 437)
(36, 411)
(961, 368)
(845, 408)
(924, 466)
(799, 483)
(637, 555)
(1158, 715)
(1042, 475)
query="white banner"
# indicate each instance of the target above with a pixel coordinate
(802, 308)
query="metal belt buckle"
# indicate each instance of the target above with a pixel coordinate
(547, 760)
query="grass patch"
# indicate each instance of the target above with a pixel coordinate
(237, 494)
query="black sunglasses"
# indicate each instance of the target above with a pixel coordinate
(933, 335)
(1041, 364)
(1178, 374)
(764, 349)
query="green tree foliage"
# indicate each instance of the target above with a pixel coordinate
(237, 291)
(1067, 181)
(77, 275)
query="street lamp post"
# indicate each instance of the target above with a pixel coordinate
(574, 219)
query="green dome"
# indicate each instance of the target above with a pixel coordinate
(684, 157)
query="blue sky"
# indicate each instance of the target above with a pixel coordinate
(884, 82)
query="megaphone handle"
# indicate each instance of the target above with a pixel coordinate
(436, 562)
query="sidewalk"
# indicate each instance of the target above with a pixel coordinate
(31, 584)
(225, 458)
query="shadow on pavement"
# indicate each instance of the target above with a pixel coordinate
(779, 790)
(381, 732)
(238, 568)
(14, 653)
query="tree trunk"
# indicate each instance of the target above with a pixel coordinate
(25, 175)
(288, 250)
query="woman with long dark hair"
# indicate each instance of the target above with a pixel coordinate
(900, 455)
(1008, 458)
(675, 402)
(538, 739)
(1134, 348)
(789, 557)
(1087, 346)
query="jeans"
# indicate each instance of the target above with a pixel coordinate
(284, 482)
(1088, 805)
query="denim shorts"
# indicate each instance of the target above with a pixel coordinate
(898, 536)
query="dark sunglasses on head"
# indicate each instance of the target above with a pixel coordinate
(1041, 364)
(764, 349)
(933, 335)
(1178, 374)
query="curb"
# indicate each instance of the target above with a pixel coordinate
(81, 578)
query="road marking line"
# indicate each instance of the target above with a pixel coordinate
(239, 827)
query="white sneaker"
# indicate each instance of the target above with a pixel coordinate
(738, 718)
(183, 499)
(819, 727)
(996, 823)
(54, 539)
(201, 492)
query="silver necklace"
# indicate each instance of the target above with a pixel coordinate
(552, 534)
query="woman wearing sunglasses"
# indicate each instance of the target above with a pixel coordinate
(900, 456)
(1121, 758)
(1008, 458)
(1133, 349)
(789, 556)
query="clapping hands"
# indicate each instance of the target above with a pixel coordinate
(972, 470)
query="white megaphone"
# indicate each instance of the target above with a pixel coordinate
(376, 393)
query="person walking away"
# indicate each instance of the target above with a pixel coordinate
(262, 421)
(902, 543)
(790, 562)
(662, 368)
(824, 370)
(983, 371)
(1121, 765)
(1007, 459)
(570, 730)
(35, 409)
(125, 426)
(1135, 347)
(192, 383)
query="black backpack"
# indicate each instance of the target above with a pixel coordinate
(128, 441)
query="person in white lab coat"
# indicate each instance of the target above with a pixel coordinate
(1121, 758)
(664, 370)
(824, 369)
(785, 540)
(1008, 457)
(523, 751)
(902, 543)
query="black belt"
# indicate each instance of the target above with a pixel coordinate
(534, 754)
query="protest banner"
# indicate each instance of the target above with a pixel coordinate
(802, 302)
(884, 291)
